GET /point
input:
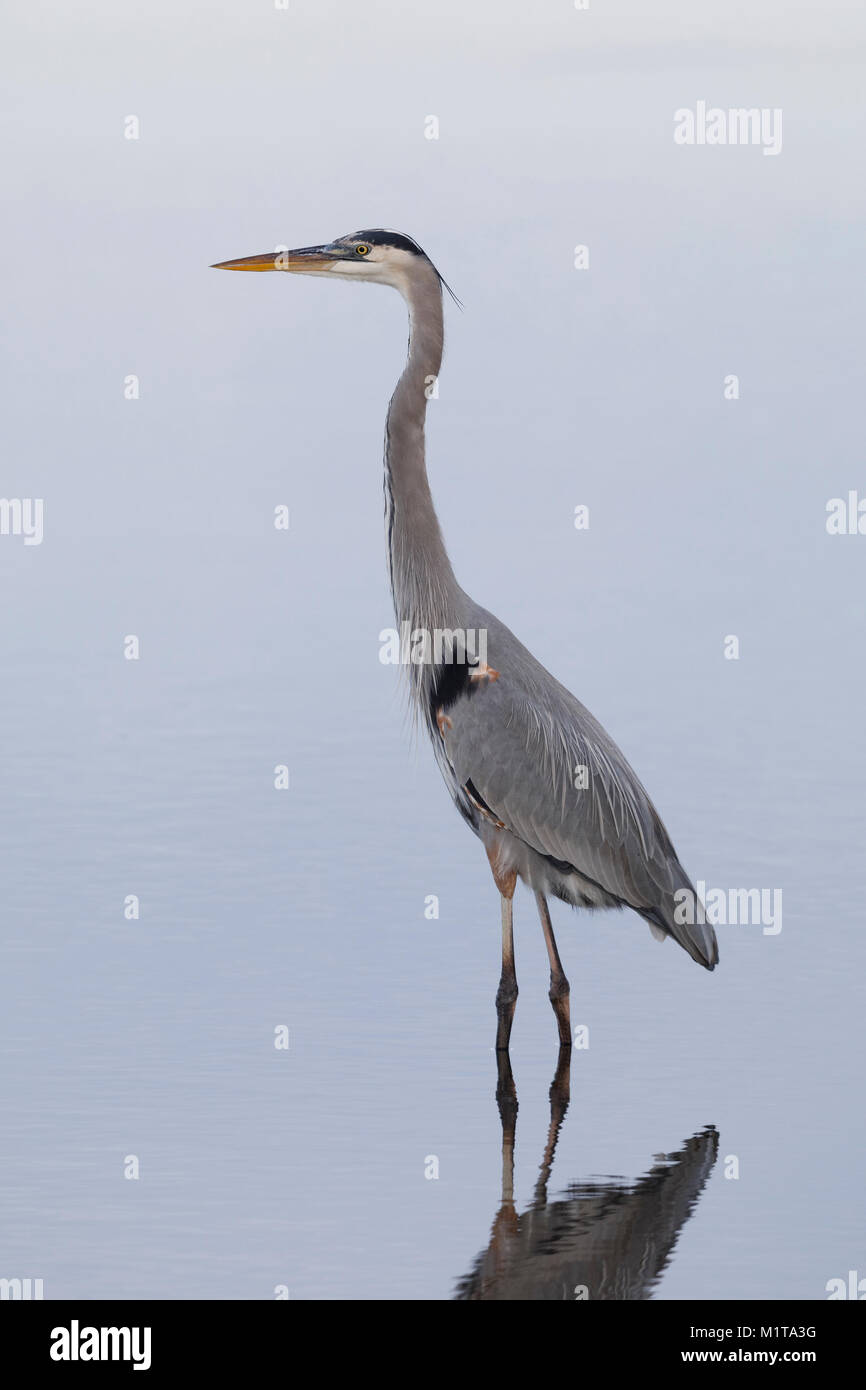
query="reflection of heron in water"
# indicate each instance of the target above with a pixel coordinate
(601, 1240)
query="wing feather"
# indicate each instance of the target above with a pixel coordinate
(521, 740)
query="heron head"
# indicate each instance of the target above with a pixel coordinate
(377, 257)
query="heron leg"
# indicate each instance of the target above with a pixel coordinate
(506, 1099)
(506, 995)
(559, 986)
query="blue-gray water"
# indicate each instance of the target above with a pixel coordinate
(305, 908)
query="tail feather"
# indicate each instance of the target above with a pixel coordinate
(683, 917)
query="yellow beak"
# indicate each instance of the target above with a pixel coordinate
(306, 258)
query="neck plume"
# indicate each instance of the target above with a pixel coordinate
(422, 580)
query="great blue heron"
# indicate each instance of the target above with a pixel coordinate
(538, 779)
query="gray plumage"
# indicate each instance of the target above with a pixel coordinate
(508, 738)
(519, 743)
(520, 738)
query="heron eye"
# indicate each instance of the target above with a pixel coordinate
(362, 250)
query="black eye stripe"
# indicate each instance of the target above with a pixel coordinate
(378, 236)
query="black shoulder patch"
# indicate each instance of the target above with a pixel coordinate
(451, 680)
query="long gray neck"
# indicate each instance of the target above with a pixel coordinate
(422, 580)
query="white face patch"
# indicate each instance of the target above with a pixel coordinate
(383, 265)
